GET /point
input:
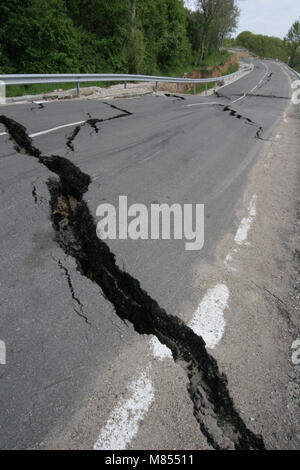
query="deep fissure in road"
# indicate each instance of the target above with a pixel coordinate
(75, 231)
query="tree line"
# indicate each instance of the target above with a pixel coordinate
(287, 49)
(101, 36)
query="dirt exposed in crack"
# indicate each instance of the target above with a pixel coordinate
(75, 231)
(19, 136)
(92, 122)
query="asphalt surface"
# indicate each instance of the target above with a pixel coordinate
(167, 150)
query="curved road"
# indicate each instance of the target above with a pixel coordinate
(61, 333)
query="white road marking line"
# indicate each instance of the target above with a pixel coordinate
(53, 129)
(123, 422)
(242, 232)
(2, 353)
(241, 97)
(159, 350)
(36, 134)
(208, 321)
(229, 258)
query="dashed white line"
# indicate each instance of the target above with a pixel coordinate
(208, 321)
(2, 353)
(238, 99)
(242, 232)
(159, 350)
(123, 422)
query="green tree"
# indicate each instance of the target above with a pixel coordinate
(36, 36)
(219, 18)
(264, 46)
(293, 42)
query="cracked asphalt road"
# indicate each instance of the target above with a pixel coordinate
(60, 333)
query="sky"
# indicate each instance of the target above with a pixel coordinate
(270, 17)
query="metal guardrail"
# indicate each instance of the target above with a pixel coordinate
(282, 63)
(292, 70)
(79, 78)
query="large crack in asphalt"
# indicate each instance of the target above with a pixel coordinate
(92, 122)
(75, 231)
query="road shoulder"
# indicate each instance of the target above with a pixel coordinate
(260, 272)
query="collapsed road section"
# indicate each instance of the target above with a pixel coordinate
(75, 231)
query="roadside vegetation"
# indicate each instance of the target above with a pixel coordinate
(107, 36)
(161, 37)
(287, 49)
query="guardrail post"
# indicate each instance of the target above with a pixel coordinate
(205, 88)
(78, 89)
(178, 87)
(194, 88)
(125, 84)
(156, 86)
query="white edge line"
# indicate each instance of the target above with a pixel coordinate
(241, 97)
(207, 322)
(245, 225)
(123, 422)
